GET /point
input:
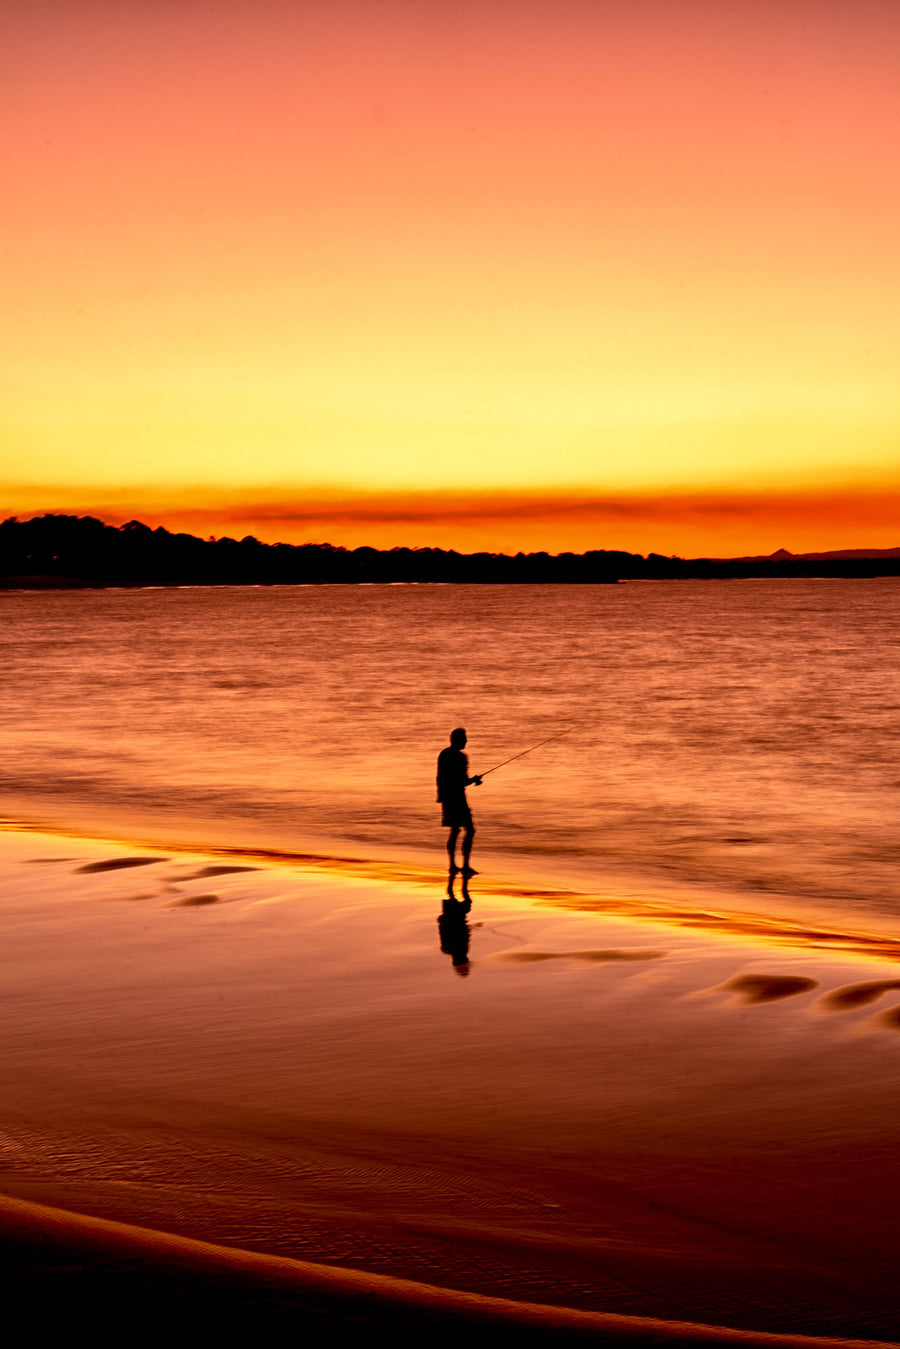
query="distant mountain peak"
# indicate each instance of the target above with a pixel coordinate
(780, 555)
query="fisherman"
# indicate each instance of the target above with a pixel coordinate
(452, 781)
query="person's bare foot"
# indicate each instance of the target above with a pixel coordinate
(469, 871)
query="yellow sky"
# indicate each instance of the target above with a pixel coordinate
(609, 250)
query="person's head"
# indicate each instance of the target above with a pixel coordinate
(458, 738)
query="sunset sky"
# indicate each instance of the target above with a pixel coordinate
(474, 273)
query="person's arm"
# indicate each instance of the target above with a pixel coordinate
(467, 781)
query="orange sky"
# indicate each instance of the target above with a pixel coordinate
(470, 272)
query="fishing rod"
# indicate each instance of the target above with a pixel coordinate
(523, 752)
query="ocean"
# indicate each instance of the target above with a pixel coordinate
(737, 741)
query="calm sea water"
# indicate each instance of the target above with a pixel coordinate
(740, 738)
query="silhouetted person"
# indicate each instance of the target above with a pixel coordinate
(452, 781)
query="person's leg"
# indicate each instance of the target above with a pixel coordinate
(467, 845)
(451, 846)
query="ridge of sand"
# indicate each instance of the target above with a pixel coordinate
(325, 1292)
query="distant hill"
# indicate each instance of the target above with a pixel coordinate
(838, 555)
(67, 551)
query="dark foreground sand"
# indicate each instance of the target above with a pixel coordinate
(65, 1270)
(249, 1098)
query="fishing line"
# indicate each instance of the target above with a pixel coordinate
(522, 753)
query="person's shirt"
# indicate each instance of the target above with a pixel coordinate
(452, 774)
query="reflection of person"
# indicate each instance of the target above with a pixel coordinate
(452, 781)
(454, 929)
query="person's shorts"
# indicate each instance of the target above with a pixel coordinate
(457, 814)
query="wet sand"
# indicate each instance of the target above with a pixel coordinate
(231, 1077)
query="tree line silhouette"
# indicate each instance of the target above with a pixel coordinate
(67, 550)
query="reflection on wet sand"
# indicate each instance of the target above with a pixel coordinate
(453, 927)
(289, 1072)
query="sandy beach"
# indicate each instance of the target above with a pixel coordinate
(247, 1074)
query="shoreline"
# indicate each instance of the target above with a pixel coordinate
(620, 1117)
(712, 911)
